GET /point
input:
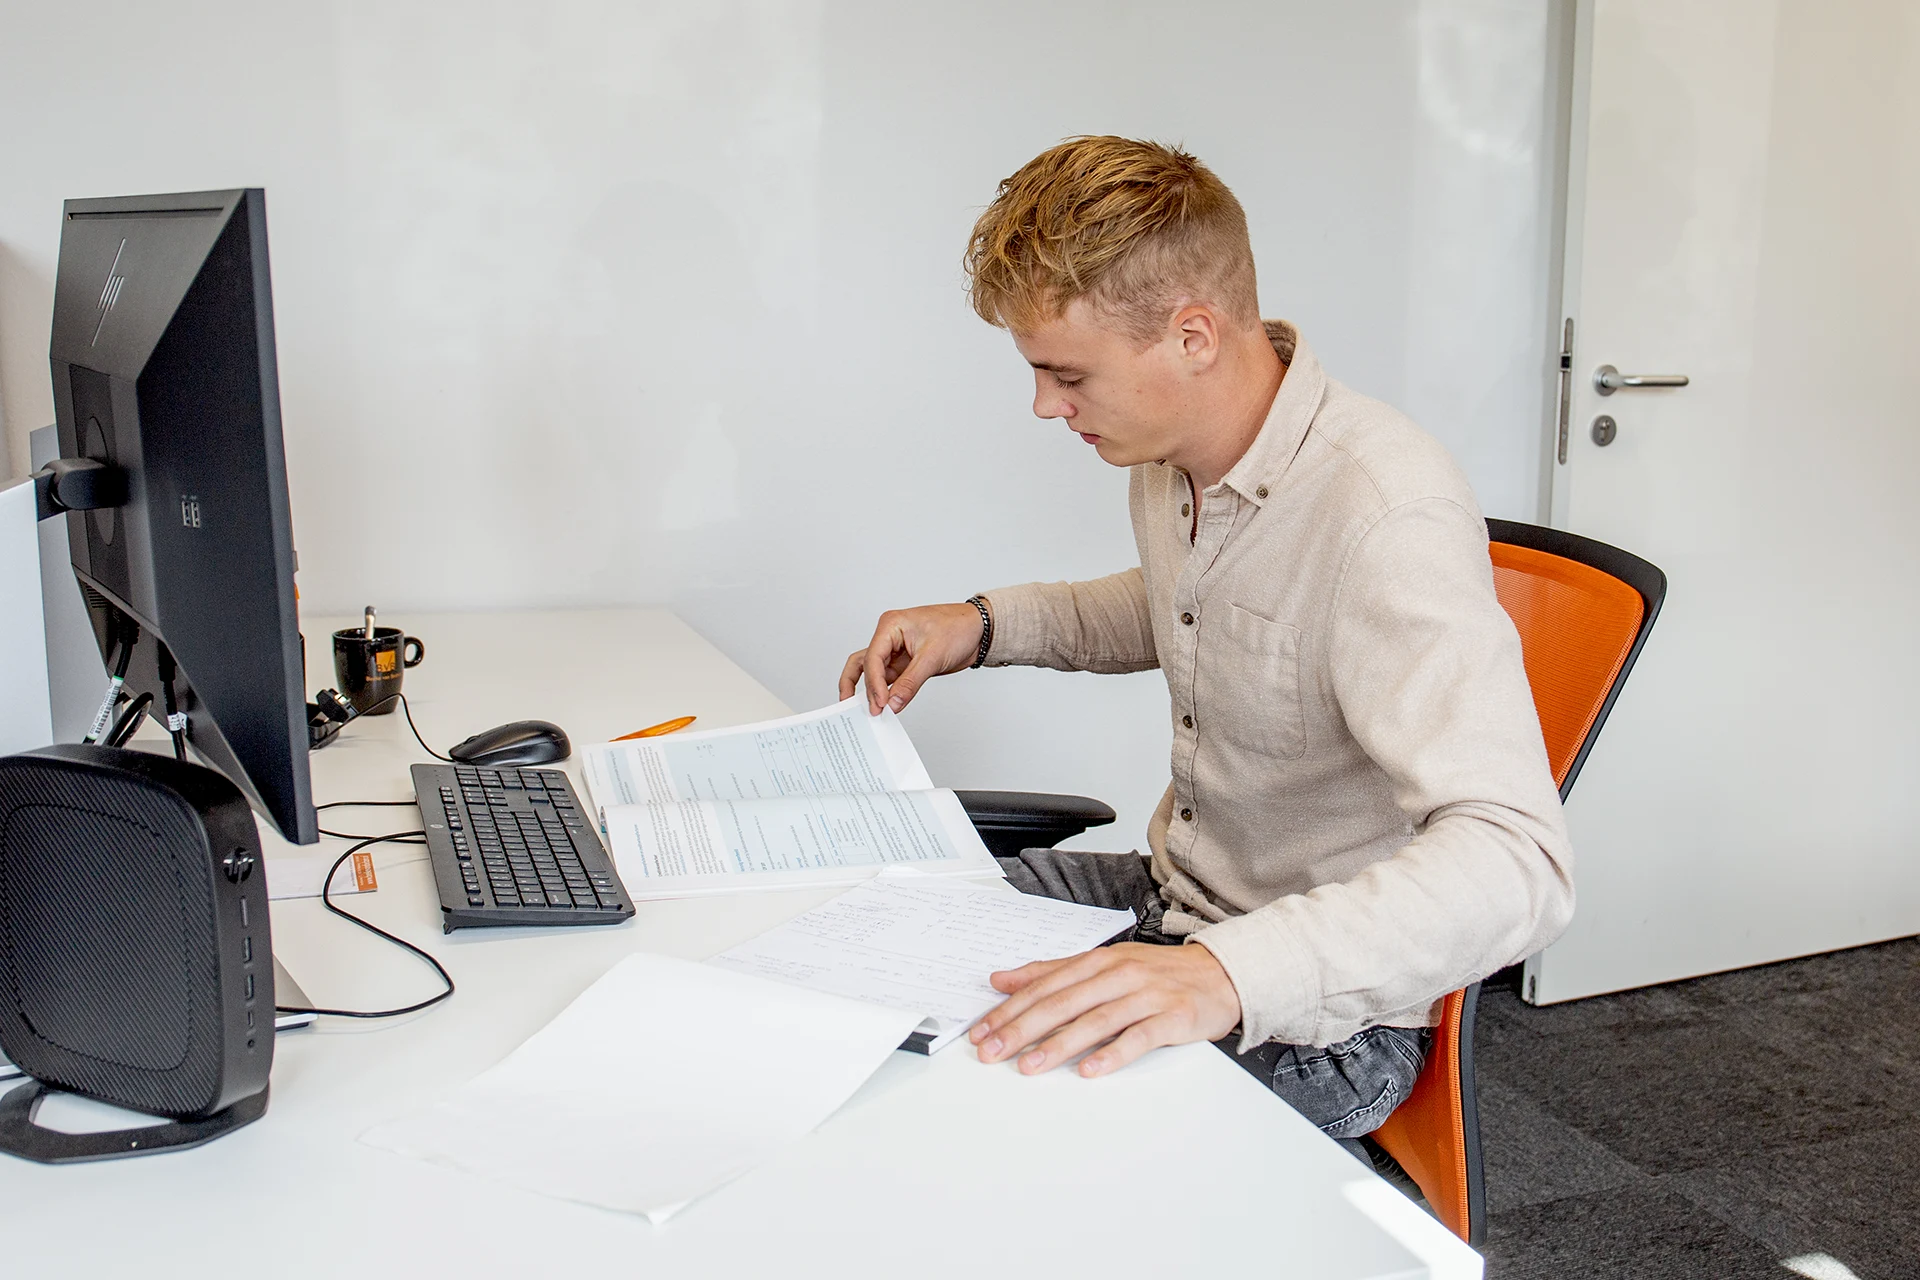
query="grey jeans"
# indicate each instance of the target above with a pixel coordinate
(1347, 1089)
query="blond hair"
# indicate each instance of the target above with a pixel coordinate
(1136, 228)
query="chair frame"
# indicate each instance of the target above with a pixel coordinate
(1651, 584)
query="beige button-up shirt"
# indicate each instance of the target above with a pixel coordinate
(1361, 817)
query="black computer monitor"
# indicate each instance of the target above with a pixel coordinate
(164, 367)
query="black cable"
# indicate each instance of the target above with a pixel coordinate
(115, 694)
(326, 900)
(401, 698)
(132, 631)
(366, 804)
(128, 723)
(172, 704)
(408, 711)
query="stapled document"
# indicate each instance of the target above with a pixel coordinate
(829, 797)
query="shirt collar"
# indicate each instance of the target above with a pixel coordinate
(1266, 460)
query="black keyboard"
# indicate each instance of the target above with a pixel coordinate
(515, 846)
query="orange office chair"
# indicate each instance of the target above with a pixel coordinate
(1583, 610)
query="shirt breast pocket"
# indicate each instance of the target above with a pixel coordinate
(1256, 686)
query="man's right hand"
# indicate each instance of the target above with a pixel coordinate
(910, 647)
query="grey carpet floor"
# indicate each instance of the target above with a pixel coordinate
(1720, 1127)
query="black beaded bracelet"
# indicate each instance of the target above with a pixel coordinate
(986, 630)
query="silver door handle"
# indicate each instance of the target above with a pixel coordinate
(1607, 380)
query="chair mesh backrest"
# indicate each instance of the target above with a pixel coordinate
(1577, 625)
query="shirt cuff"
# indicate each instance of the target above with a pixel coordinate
(1021, 636)
(1275, 977)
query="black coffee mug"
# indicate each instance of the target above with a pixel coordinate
(369, 671)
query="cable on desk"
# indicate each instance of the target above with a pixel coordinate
(397, 838)
(326, 900)
(408, 711)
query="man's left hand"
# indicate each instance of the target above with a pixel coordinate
(1135, 994)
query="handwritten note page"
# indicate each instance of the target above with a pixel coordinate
(924, 945)
(655, 1087)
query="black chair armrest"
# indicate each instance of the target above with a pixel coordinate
(1009, 821)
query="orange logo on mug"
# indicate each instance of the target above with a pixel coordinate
(385, 661)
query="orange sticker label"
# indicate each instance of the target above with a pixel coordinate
(363, 878)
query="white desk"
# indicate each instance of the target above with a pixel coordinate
(937, 1167)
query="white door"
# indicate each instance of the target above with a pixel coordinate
(1744, 209)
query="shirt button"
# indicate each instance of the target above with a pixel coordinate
(1186, 508)
(1187, 618)
(1187, 721)
(1261, 492)
(1186, 815)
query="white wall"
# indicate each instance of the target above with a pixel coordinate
(662, 302)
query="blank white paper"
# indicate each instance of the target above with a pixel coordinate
(665, 1080)
(917, 943)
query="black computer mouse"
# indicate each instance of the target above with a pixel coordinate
(522, 742)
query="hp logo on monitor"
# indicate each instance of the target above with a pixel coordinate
(110, 292)
(190, 510)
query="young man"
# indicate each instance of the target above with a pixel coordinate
(1361, 817)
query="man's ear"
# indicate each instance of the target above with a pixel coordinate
(1198, 333)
